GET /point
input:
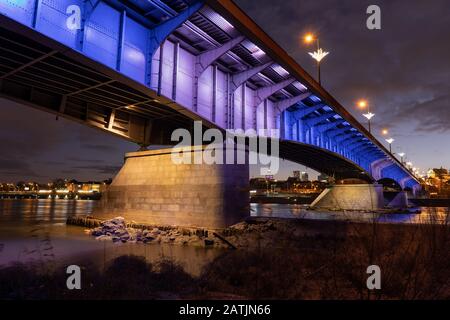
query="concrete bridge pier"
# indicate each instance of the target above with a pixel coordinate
(359, 197)
(152, 189)
(350, 197)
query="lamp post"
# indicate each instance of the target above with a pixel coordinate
(316, 55)
(363, 104)
(401, 154)
(390, 140)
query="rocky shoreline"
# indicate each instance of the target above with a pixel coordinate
(243, 234)
(118, 230)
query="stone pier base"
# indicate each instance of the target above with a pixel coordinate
(152, 189)
(396, 199)
(350, 197)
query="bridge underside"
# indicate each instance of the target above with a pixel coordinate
(322, 160)
(140, 69)
(34, 72)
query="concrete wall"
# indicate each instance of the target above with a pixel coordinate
(151, 189)
(351, 197)
(396, 200)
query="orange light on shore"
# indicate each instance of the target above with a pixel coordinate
(384, 132)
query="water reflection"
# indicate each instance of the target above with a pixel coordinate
(426, 215)
(26, 211)
(35, 230)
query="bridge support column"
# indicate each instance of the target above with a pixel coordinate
(350, 197)
(152, 189)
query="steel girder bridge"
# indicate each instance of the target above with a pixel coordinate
(141, 68)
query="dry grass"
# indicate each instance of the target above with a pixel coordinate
(281, 260)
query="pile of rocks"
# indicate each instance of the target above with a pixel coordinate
(116, 230)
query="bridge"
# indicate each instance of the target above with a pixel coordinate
(140, 69)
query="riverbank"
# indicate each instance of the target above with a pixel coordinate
(431, 202)
(272, 259)
(282, 251)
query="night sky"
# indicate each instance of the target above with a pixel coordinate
(403, 70)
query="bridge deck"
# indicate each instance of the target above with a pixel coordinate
(141, 69)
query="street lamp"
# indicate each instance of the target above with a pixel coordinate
(316, 55)
(390, 140)
(401, 154)
(362, 104)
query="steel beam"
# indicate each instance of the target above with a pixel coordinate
(286, 103)
(239, 78)
(90, 88)
(159, 34)
(176, 57)
(205, 59)
(326, 126)
(344, 139)
(29, 64)
(122, 27)
(265, 92)
(313, 121)
(356, 145)
(36, 12)
(304, 111)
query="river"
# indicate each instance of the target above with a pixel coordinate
(34, 230)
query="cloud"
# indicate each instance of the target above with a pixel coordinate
(13, 167)
(402, 69)
(99, 147)
(101, 169)
(79, 159)
(431, 115)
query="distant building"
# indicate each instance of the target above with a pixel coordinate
(296, 174)
(322, 177)
(440, 173)
(437, 183)
(304, 177)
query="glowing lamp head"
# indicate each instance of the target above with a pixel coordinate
(318, 55)
(390, 140)
(362, 104)
(401, 154)
(308, 38)
(384, 132)
(369, 115)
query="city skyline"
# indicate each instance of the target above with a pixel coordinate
(408, 94)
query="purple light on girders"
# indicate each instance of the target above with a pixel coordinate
(253, 48)
(218, 20)
(300, 86)
(280, 70)
(315, 98)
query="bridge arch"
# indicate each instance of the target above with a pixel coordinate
(390, 184)
(204, 60)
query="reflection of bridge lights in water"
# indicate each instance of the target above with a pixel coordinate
(296, 209)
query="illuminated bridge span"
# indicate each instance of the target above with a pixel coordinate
(140, 69)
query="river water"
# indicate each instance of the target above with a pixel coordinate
(35, 231)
